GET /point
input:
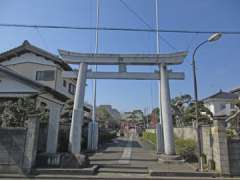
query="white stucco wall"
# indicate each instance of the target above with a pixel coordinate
(59, 83)
(27, 64)
(215, 106)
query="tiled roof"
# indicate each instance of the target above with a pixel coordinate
(222, 95)
(27, 47)
(236, 90)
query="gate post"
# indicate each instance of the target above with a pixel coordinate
(53, 127)
(78, 113)
(30, 150)
(220, 145)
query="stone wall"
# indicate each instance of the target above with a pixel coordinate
(18, 147)
(234, 156)
(12, 147)
(205, 137)
(185, 133)
(213, 143)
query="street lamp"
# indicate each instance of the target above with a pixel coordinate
(212, 38)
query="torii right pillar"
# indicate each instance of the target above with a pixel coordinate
(168, 135)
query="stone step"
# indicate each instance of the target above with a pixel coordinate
(123, 170)
(65, 171)
(101, 176)
(131, 159)
(182, 174)
(121, 166)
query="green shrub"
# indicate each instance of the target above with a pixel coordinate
(186, 148)
(231, 133)
(107, 136)
(148, 136)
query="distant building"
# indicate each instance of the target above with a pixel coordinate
(134, 116)
(132, 120)
(221, 102)
(154, 118)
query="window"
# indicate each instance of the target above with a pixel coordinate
(45, 75)
(222, 106)
(71, 88)
(64, 83)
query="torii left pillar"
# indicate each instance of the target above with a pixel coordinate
(78, 113)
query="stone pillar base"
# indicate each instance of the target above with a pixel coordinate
(170, 158)
(69, 160)
(62, 160)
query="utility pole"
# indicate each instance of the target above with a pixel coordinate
(159, 128)
(93, 127)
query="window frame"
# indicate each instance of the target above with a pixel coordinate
(41, 75)
(64, 83)
(71, 88)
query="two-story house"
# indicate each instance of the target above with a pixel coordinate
(30, 71)
(221, 103)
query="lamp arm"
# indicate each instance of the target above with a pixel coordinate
(195, 50)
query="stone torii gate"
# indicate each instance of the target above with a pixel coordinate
(122, 60)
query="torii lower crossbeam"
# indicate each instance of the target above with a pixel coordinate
(124, 75)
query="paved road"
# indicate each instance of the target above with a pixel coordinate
(125, 153)
(128, 156)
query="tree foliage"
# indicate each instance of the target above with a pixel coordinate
(106, 118)
(14, 113)
(179, 105)
(184, 111)
(103, 114)
(67, 110)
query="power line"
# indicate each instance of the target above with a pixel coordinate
(145, 22)
(42, 38)
(116, 29)
(191, 41)
(136, 14)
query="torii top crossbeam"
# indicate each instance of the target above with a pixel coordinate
(127, 59)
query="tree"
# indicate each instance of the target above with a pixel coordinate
(14, 113)
(204, 114)
(103, 115)
(184, 113)
(179, 105)
(233, 121)
(67, 110)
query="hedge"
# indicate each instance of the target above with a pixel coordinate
(184, 147)
(148, 136)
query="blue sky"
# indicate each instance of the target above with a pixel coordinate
(217, 63)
